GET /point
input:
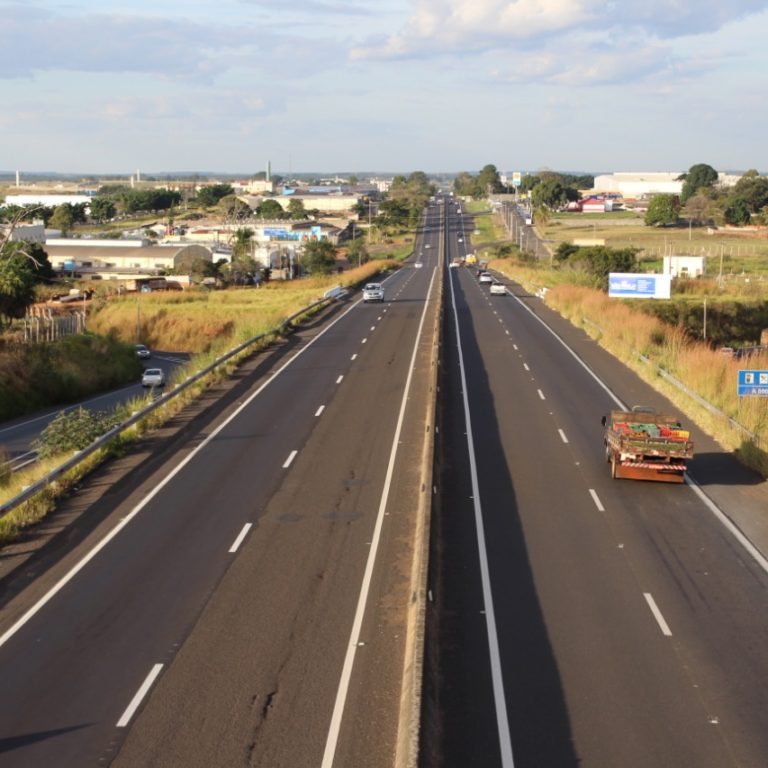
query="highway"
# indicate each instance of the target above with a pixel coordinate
(576, 620)
(240, 598)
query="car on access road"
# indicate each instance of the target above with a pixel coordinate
(142, 352)
(153, 377)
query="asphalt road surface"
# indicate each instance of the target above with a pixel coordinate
(576, 620)
(241, 601)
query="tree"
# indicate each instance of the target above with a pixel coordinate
(488, 180)
(752, 188)
(663, 210)
(233, 208)
(296, 209)
(17, 280)
(102, 209)
(698, 209)
(357, 253)
(209, 196)
(269, 209)
(319, 257)
(528, 182)
(698, 176)
(737, 212)
(242, 244)
(62, 219)
(553, 194)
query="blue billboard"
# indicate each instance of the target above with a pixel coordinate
(639, 286)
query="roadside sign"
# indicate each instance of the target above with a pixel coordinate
(628, 285)
(753, 383)
(517, 178)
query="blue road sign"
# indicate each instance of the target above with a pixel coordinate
(753, 383)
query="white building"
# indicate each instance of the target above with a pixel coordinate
(684, 266)
(639, 184)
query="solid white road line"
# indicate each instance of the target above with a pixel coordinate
(139, 697)
(290, 459)
(665, 630)
(239, 540)
(562, 435)
(354, 638)
(502, 718)
(319, 410)
(596, 499)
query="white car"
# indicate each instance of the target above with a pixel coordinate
(497, 289)
(373, 292)
(484, 277)
(418, 265)
(427, 245)
(153, 377)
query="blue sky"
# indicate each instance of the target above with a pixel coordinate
(399, 85)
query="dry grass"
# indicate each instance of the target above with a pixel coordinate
(199, 321)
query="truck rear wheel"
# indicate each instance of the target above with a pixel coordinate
(613, 466)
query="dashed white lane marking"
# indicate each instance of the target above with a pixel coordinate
(363, 341)
(665, 630)
(596, 499)
(239, 540)
(525, 365)
(319, 410)
(139, 697)
(290, 459)
(562, 435)
(541, 395)
(340, 379)
(353, 356)
(373, 327)
(514, 346)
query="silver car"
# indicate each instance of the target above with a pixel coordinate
(373, 292)
(153, 377)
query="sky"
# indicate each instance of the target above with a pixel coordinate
(353, 86)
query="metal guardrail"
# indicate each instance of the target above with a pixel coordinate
(32, 490)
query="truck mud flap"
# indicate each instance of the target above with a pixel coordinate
(643, 471)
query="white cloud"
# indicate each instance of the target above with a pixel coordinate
(473, 26)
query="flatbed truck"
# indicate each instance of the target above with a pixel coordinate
(642, 444)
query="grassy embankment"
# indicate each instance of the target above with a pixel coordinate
(627, 332)
(203, 323)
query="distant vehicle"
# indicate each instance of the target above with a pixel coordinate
(484, 277)
(461, 239)
(373, 292)
(418, 265)
(471, 258)
(427, 245)
(455, 263)
(153, 377)
(142, 352)
(498, 289)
